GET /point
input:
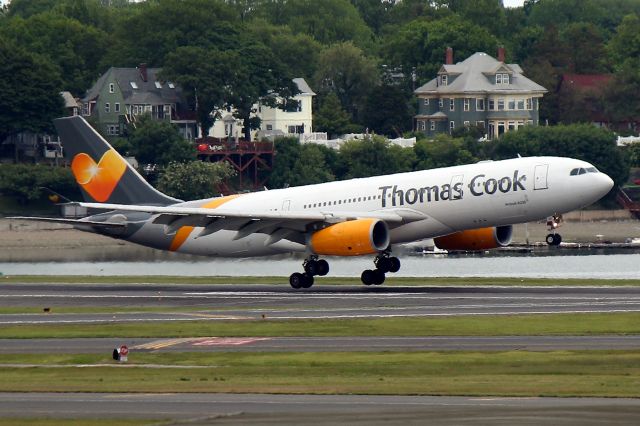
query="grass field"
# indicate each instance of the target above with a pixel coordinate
(514, 373)
(490, 325)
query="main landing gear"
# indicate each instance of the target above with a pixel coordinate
(554, 239)
(384, 263)
(312, 266)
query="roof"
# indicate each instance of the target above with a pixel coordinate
(145, 92)
(473, 77)
(587, 81)
(69, 100)
(303, 87)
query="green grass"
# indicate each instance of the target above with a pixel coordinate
(513, 373)
(391, 281)
(7, 421)
(468, 325)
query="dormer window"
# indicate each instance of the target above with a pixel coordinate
(171, 85)
(133, 84)
(444, 80)
(112, 88)
(158, 85)
(502, 78)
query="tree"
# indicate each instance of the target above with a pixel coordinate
(331, 117)
(484, 13)
(159, 143)
(193, 180)
(29, 91)
(625, 43)
(203, 74)
(585, 48)
(386, 111)
(297, 164)
(26, 182)
(75, 49)
(374, 156)
(583, 141)
(442, 151)
(622, 94)
(420, 45)
(345, 70)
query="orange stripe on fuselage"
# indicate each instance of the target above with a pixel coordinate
(184, 232)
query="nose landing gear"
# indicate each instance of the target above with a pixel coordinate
(554, 239)
(384, 263)
(312, 266)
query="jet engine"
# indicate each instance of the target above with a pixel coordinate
(351, 238)
(476, 239)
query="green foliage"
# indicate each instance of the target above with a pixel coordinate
(159, 143)
(25, 182)
(583, 141)
(442, 151)
(297, 164)
(625, 44)
(387, 111)
(632, 153)
(374, 156)
(29, 91)
(331, 117)
(193, 180)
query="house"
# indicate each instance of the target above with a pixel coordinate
(122, 94)
(296, 120)
(481, 91)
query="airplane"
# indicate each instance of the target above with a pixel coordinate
(467, 207)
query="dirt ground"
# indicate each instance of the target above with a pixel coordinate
(22, 241)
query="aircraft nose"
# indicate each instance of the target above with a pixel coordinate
(605, 183)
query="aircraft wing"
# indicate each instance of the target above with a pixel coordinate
(278, 224)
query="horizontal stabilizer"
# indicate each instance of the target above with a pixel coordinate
(71, 221)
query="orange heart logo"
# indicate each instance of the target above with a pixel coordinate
(99, 180)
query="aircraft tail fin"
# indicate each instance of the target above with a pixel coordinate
(102, 174)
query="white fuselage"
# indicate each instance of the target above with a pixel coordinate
(450, 199)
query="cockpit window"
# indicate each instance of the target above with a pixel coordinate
(582, 171)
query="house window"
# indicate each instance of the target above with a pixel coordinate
(433, 126)
(269, 127)
(441, 103)
(520, 103)
(158, 85)
(500, 104)
(112, 88)
(498, 78)
(529, 104)
(292, 129)
(492, 105)
(85, 109)
(466, 104)
(466, 124)
(529, 122)
(505, 78)
(113, 130)
(423, 125)
(426, 102)
(480, 124)
(107, 107)
(116, 107)
(444, 80)
(452, 125)
(167, 110)
(480, 104)
(452, 104)
(512, 104)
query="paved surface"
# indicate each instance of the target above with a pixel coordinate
(228, 302)
(231, 409)
(321, 344)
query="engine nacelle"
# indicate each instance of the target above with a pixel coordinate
(351, 238)
(476, 239)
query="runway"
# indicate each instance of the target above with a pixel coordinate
(320, 344)
(234, 409)
(241, 302)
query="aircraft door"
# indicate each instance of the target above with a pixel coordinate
(286, 205)
(540, 177)
(457, 187)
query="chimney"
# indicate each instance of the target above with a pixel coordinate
(501, 54)
(449, 56)
(143, 71)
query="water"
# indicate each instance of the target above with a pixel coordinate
(612, 266)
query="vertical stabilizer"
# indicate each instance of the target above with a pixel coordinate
(103, 175)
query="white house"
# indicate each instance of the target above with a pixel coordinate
(274, 121)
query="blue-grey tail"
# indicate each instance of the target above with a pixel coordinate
(100, 171)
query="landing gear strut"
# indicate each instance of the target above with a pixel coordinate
(554, 239)
(312, 266)
(384, 263)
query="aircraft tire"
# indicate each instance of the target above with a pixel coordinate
(307, 281)
(383, 264)
(557, 239)
(367, 277)
(296, 279)
(378, 277)
(311, 267)
(323, 267)
(550, 239)
(395, 264)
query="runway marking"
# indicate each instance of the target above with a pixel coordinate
(164, 343)
(213, 316)
(228, 341)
